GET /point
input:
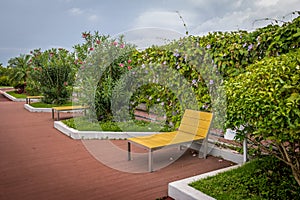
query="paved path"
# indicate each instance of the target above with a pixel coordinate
(38, 162)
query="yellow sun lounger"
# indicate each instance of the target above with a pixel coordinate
(194, 126)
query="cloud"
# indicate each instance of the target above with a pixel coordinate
(162, 19)
(266, 3)
(93, 17)
(76, 11)
(146, 37)
(86, 14)
(241, 15)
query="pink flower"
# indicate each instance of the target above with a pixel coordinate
(65, 83)
(82, 67)
(84, 35)
(91, 49)
(115, 43)
(129, 67)
(122, 46)
(121, 65)
(129, 61)
(98, 41)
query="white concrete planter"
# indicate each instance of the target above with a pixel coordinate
(75, 134)
(33, 109)
(181, 189)
(226, 154)
(13, 98)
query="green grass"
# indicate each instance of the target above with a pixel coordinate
(45, 105)
(82, 124)
(16, 95)
(264, 178)
(3, 86)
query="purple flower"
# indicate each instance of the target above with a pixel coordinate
(194, 81)
(205, 106)
(244, 45)
(162, 103)
(250, 47)
(158, 99)
(211, 82)
(176, 54)
(208, 46)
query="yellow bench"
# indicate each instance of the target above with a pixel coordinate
(194, 126)
(28, 98)
(67, 108)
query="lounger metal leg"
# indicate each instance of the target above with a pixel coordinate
(129, 151)
(57, 115)
(150, 160)
(205, 148)
(52, 113)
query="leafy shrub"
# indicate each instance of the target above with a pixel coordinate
(99, 74)
(4, 81)
(53, 75)
(265, 100)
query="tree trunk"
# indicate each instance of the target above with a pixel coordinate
(296, 174)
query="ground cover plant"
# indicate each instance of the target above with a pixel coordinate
(82, 124)
(17, 95)
(262, 178)
(45, 105)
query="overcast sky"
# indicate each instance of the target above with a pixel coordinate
(30, 24)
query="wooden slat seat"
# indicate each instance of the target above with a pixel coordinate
(194, 126)
(67, 108)
(28, 98)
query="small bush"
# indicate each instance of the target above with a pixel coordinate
(4, 81)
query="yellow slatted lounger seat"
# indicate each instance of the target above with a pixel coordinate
(67, 108)
(194, 126)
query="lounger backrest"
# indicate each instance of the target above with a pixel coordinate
(195, 122)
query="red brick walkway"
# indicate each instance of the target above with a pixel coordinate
(38, 162)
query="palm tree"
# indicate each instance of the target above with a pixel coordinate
(20, 65)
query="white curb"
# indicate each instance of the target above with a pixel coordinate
(33, 109)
